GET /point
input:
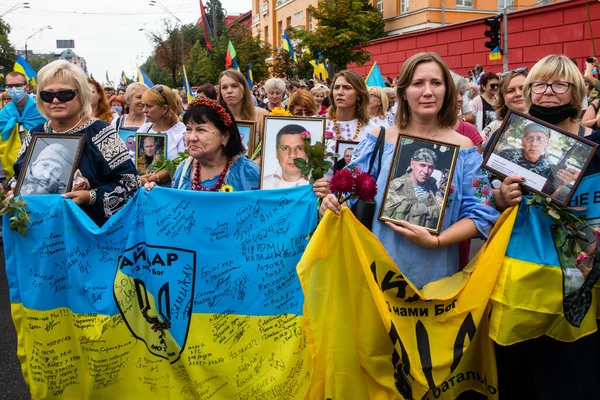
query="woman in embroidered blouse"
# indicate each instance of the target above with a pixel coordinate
(427, 109)
(215, 150)
(64, 98)
(161, 109)
(378, 106)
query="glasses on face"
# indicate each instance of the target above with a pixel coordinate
(519, 70)
(160, 90)
(16, 85)
(63, 95)
(302, 113)
(538, 139)
(373, 96)
(558, 87)
(493, 86)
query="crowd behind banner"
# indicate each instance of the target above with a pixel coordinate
(137, 137)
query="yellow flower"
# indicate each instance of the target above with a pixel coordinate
(281, 112)
(227, 188)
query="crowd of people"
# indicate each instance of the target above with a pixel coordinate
(426, 101)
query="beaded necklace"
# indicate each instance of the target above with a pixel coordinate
(337, 130)
(217, 186)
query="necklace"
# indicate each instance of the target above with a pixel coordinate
(217, 186)
(68, 130)
(337, 130)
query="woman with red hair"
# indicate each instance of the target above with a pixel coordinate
(100, 105)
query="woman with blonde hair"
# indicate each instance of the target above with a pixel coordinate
(302, 104)
(64, 97)
(234, 92)
(161, 109)
(136, 117)
(4, 99)
(100, 105)
(378, 106)
(319, 95)
(427, 110)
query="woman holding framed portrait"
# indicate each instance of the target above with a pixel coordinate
(427, 111)
(106, 176)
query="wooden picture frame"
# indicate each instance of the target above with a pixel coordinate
(247, 131)
(271, 168)
(50, 163)
(541, 153)
(428, 164)
(160, 149)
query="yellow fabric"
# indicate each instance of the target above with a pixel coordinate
(9, 150)
(350, 318)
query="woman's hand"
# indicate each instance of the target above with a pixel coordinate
(509, 193)
(415, 234)
(330, 202)
(149, 185)
(80, 197)
(321, 187)
(149, 178)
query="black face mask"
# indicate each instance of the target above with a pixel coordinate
(552, 115)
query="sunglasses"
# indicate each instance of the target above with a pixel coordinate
(519, 70)
(160, 90)
(63, 95)
(493, 85)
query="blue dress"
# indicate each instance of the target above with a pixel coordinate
(104, 162)
(243, 175)
(471, 197)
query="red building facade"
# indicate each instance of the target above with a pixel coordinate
(559, 28)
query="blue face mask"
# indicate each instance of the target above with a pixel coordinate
(595, 71)
(118, 109)
(468, 94)
(16, 94)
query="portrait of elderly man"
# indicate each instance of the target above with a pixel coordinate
(289, 145)
(412, 196)
(532, 154)
(48, 173)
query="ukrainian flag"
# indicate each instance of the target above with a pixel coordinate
(186, 87)
(143, 78)
(288, 46)
(236, 66)
(250, 78)
(496, 54)
(22, 66)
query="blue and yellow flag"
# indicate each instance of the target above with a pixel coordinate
(375, 78)
(495, 54)
(165, 300)
(236, 66)
(287, 45)
(22, 66)
(143, 78)
(186, 86)
(249, 77)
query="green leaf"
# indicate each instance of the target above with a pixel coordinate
(577, 208)
(529, 202)
(300, 163)
(326, 165)
(22, 229)
(305, 171)
(553, 214)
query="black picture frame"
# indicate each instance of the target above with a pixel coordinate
(49, 153)
(399, 195)
(560, 153)
(340, 148)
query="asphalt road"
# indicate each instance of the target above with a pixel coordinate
(12, 385)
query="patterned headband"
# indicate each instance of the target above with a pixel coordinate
(214, 104)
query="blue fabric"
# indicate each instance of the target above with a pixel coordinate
(470, 199)
(10, 116)
(243, 175)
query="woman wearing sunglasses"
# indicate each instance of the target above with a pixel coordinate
(64, 98)
(483, 106)
(539, 368)
(161, 109)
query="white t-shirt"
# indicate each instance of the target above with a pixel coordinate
(347, 130)
(175, 138)
(276, 181)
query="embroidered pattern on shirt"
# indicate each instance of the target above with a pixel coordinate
(111, 146)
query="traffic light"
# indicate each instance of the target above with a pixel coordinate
(493, 31)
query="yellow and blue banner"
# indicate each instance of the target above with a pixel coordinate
(22, 66)
(143, 78)
(375, 78)
(495, 54)
(287, 45)
(165, 300)
(249, 77)
(236, 66)
(187, 88)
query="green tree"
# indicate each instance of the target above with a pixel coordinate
(168, 51)
(343, 27)
(8, 54)
(156, 73)
(39, 60)
(215, 13)
(283, 65)
(251, 50)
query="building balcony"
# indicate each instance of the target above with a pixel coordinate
(265, 8)
(281, 3)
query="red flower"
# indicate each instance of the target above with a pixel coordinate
(342, 182)
(366, 186)
(451, 189)
(475, 182)
(486, 202)
(485, 190)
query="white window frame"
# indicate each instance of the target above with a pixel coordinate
(403, 6)
(380, 6)
(465, 3)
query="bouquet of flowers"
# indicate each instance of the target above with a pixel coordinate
(316, 164)
(353, 184)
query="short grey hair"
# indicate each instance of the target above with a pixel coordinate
(275, 83)
(132, 88)
(62, 69)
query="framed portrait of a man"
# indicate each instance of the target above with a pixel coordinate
(49, 165)
(345, 149)
(551, 160)
(417, 188)
(128, 137)
(149, 147)
(283, 141)
(248, 135)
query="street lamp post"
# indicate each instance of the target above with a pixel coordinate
(32, 35)
(15, 7)
(156, 3)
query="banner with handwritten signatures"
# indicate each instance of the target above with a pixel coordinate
(373, 335)
(181, 295)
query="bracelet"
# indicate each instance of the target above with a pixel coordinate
(157, 179)
(92, 197)
(438, 239)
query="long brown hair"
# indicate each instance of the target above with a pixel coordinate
(247, 111)
(362, 103)
(447, 114)
(501, 107)
(103, 110)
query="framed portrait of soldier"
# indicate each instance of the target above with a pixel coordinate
(149, 147)
(49, 165)
(417, 189)
(345, 150)
(283, 141)
(248, 135)
(551, 160)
